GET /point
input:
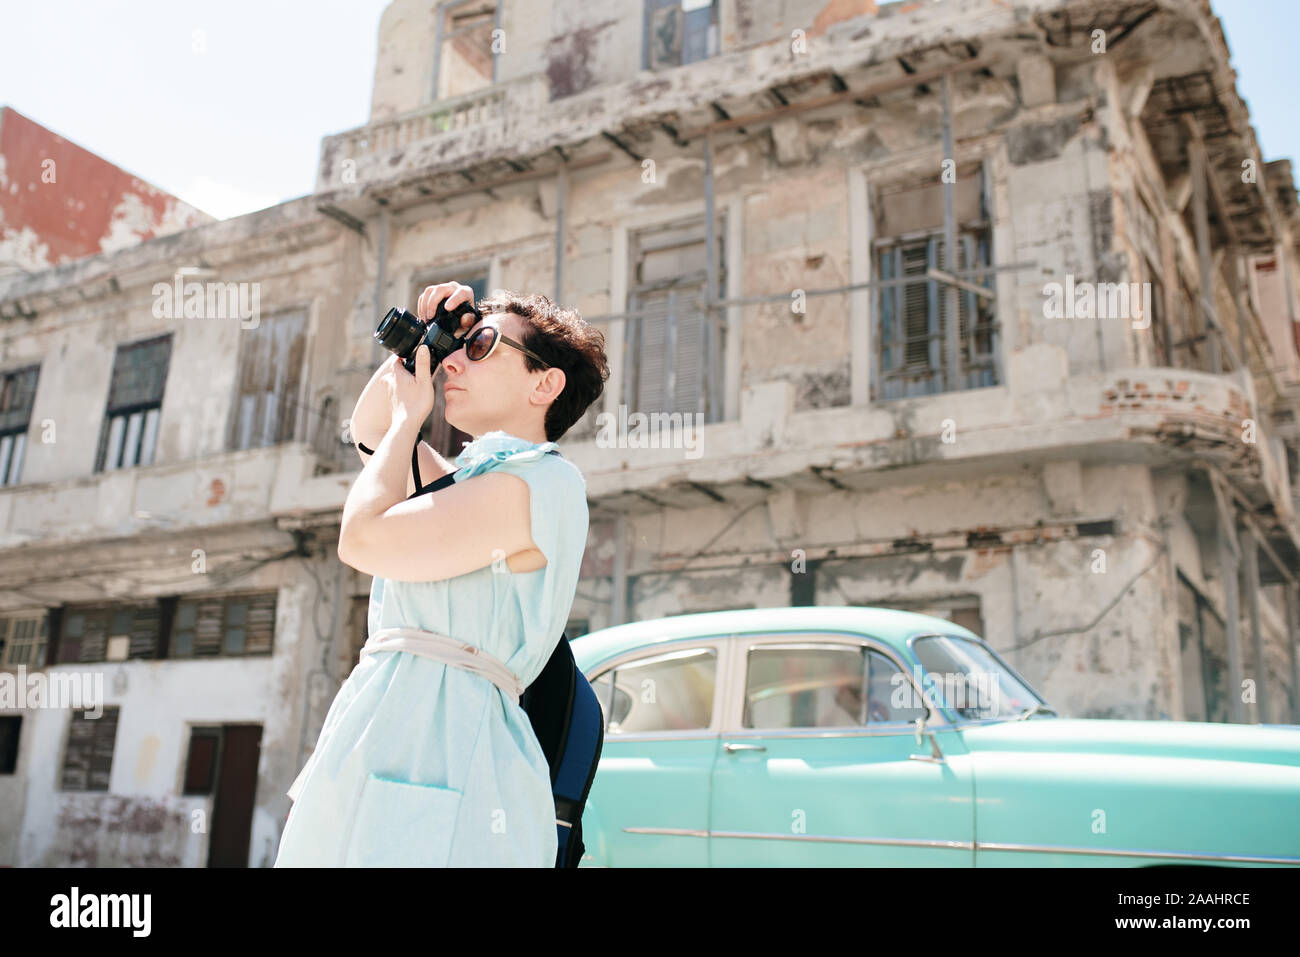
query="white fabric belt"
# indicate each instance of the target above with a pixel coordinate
(449, 651)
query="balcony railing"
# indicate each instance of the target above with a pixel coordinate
(496, 104)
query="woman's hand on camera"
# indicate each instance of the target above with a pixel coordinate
(411, 396)
(451, 295)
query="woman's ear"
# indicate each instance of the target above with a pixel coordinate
(551, 384)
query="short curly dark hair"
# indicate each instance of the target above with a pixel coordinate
(564, 340)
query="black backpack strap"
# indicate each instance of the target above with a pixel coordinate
(415, 464)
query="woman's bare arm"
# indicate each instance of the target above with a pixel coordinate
(378, 528)
(371, 420)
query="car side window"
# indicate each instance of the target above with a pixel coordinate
(890, 695)
(803, 686)
(672, 692)
(823, 686)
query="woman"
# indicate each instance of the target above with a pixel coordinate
(425, 757)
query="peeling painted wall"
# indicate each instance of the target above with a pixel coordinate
(59, 202)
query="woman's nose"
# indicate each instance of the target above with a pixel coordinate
(452, 363)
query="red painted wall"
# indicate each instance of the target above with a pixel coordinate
(74, 215)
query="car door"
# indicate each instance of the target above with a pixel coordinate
(818, 763)
(649, 801)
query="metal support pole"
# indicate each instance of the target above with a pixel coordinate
(1234, 285)
(561, 201)
(951, 329)
(1196, 151)
(711, 293)
(1250, 565)
(1229, 564)
(1231, 614)
(1292, 595)
(381, 280)
(618, 589)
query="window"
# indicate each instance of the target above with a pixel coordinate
(22, 641)
(678, 32)
(135, 394)
(109, 633)
(17, 390)
(88, 760)
(232, 625)
(201, 761)
(672, 692)
(910, 356)
(808, 685)
(270, 366)
(10, 726)
(466, 60)
(675, 351)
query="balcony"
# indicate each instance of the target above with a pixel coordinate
(482, 119)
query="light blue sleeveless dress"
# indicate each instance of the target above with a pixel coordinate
(423, 764)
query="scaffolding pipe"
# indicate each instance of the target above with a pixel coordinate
(829, 291)
(1250, 566)
(1292, 594)
(951, 327)
(1196, 155)
(561, 201)
(711, 280)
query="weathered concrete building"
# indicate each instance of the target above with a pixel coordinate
(1078, 438)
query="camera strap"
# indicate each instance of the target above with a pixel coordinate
(436, 484)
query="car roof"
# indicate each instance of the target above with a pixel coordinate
(890, 625)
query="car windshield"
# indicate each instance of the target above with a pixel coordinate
(966, 678)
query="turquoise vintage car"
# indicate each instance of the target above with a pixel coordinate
(851, 736)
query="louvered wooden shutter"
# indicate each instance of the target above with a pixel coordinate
(689, 357)
(270, 366)
(207, 627)
(94, 641)
(260, 625)
(917, 315)
(88, 760)
(144, 632)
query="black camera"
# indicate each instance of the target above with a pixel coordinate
(402, 333)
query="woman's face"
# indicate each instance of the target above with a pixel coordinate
(497, 392)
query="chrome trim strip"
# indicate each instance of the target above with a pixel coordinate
(890, 841)
(612, 737)
(676, 831)
(894, 730)
(976, 846)
(1108, 852)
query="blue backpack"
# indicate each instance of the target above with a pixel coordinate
(566, 717)
(570, 727)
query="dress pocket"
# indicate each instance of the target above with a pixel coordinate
(402, 824)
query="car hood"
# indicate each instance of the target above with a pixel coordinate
(1269, 744)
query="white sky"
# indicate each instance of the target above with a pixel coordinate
(237, 126)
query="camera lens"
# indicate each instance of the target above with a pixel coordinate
(400, 332)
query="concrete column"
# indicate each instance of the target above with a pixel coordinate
(1292, 592)
(1228, 568)
(1250, 566)
(1196, 153)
